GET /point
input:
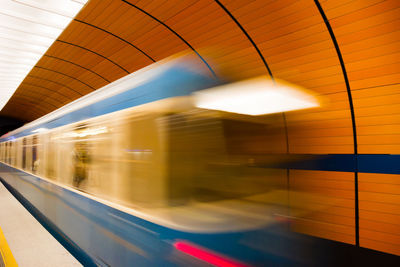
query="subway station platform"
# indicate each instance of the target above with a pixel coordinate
(27, 241)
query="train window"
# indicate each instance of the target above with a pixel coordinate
(211, 159)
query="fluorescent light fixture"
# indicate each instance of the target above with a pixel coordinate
(18, 37)
(257, 96)
(18, 60)
(27, 30)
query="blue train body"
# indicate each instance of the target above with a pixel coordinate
(102, 235)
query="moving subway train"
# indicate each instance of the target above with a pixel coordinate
(137, 174)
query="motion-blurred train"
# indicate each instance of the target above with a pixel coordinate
(139, 174)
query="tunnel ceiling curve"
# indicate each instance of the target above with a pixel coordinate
(346, 51)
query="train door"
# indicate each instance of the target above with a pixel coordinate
(51, 155)
(28, 163)
(141, 161)
(40, 166)
(195, 145)
(101, 138)
(179, 154)
(35, 160)
(18, 154)
(62, 145)
(24, 144)
(5, 152)
(13, 153)
(1, 151)
(81, 156)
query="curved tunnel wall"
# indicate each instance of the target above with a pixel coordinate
(346, 51)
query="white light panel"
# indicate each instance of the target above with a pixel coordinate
(27, 29)
(258, 96)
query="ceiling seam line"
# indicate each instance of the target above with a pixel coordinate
(48, 89)
(24, 103)
(176, 34)
(30, 21)
(116, 36)
(78, 66)
(273, 80)
(353, 121)
(63, 85)
(18, 30)
(35, 112)
(35, 93)
(248, 37)
(31, 93)
(31, 102)
(61, 73)
(100, 55)
(263, 60)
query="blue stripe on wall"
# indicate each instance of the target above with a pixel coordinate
(367, 163)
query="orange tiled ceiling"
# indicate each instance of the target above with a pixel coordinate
(352, 55)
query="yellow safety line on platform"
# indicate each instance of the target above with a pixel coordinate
(5, 252)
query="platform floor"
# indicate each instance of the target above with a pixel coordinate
(30, 243)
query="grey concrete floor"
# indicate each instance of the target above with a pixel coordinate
(29, 241)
